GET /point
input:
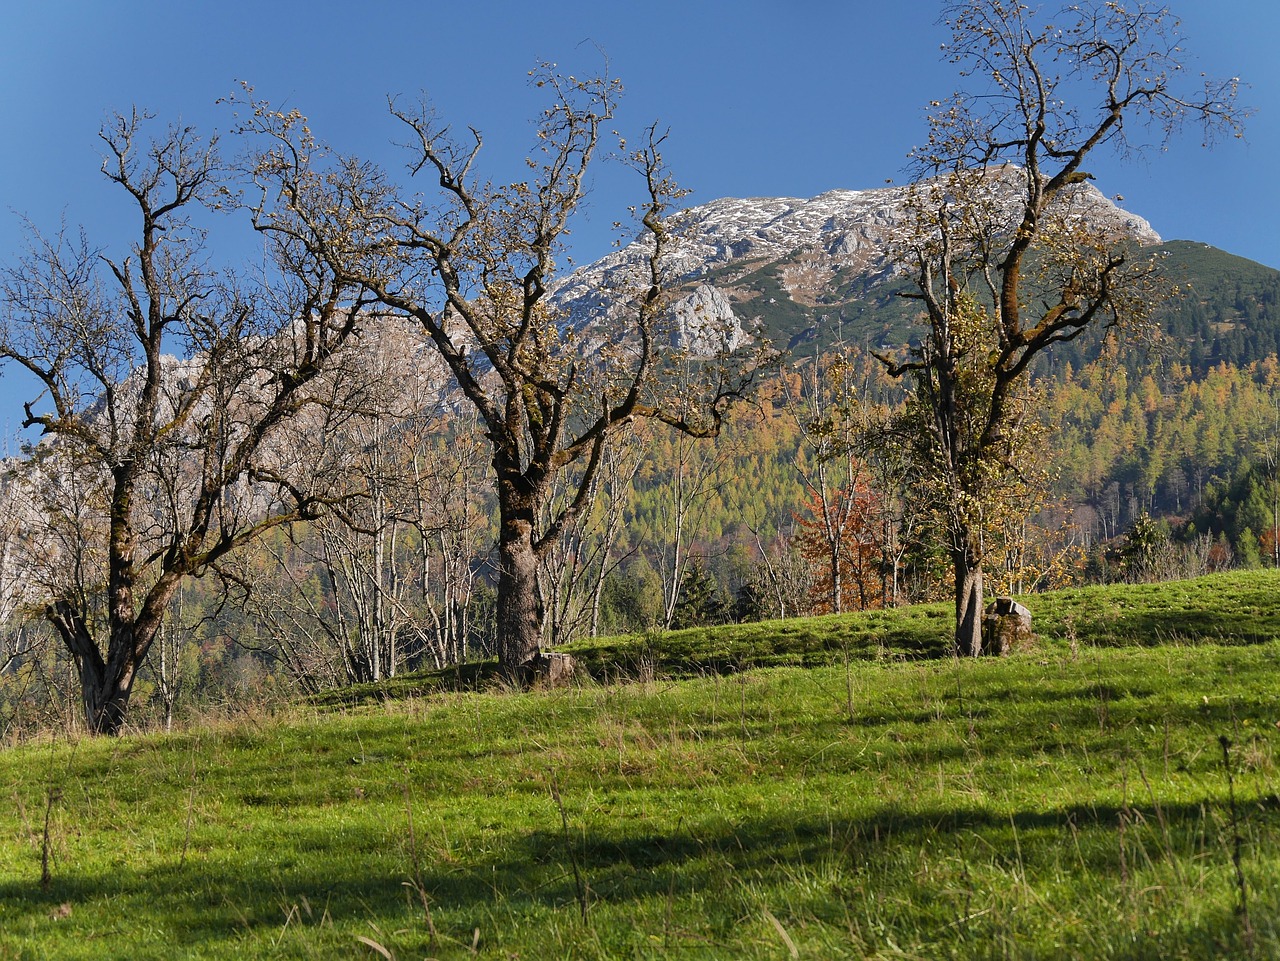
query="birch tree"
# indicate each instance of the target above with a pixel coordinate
(573, 573)
(383, 579)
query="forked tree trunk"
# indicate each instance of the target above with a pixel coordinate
(968, 573)
(105, 684)
(106, 702)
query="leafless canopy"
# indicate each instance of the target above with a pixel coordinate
(171, 399)
(474, 263)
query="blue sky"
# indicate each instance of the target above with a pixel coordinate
(792, 97)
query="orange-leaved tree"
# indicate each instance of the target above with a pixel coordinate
(839, 533)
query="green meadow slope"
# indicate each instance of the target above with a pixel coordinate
(830, 788)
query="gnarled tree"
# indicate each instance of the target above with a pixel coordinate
(1005, 265)
(475, 265)
(170, 405)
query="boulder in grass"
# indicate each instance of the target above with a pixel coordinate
(1006, 626)
(550, 669)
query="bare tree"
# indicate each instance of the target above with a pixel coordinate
(451, 515)
(572, 575)
(1005, 265)
(384, 577)
(16, 516)
(474, 266)
(696, 471)
(165, 659)
(169, 391)
(781, 581)
(279, 589)
(363, 546)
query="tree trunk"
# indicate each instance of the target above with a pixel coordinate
(968, 572)
(107, 703)
(837, 585)
(105, 685)
(519, 606)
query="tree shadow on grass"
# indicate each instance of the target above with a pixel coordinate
(1152, 628)
(211, 902)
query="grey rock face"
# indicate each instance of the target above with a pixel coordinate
(811, 245)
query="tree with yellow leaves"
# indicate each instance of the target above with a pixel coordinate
(1004, 264)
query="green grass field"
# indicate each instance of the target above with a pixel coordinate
(828, 788)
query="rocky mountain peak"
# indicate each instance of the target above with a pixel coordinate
(791, 264)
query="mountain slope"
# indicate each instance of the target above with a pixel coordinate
(800, 269)
(810, 271)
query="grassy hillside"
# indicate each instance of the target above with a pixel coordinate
(883, 801)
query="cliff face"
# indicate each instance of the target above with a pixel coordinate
(795, 266)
